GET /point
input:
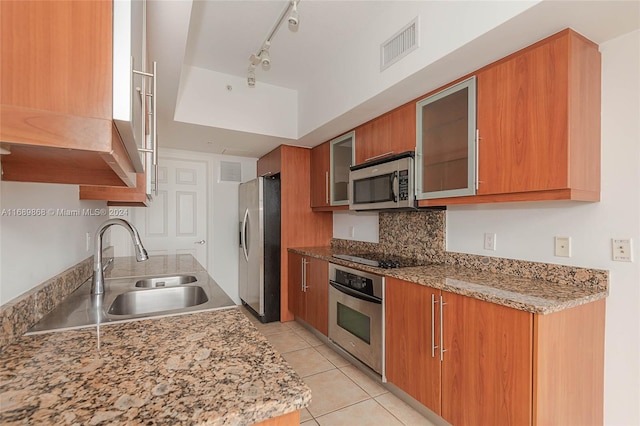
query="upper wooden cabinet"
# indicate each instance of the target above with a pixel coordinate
(117, 195)
(389, 134)
(56, 95)
(446, 148)
(320, 164)
(538, 115)
(330, 164)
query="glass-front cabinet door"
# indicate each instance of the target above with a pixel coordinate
(446, 142)
(342, 157)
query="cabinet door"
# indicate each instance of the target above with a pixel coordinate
(523, 121)
(320, 162)
(129, 52)
(341, 158)
(271, 163)
(411, 329)
(487, 366)
(317, 294)
(389, 134)
(296, 295)
(446, 148)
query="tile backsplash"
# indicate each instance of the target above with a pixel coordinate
(19, 314)
(419, 235)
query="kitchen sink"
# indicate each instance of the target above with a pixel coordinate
(157, 300)
(166, 281)
(136, 297)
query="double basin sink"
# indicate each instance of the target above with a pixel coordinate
(135, 298)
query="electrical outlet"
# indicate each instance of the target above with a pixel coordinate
(88, 241)
(563, 246)
(489, 241)
(622, 250)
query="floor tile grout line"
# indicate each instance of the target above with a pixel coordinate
(335, 367)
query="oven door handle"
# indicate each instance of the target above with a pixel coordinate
(349, 291)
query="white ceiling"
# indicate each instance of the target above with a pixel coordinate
(221, 35)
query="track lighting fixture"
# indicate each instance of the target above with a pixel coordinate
(262, 57)
(293, 17)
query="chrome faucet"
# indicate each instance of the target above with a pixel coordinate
(97, 283)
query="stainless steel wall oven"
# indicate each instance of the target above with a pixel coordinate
(356, 314)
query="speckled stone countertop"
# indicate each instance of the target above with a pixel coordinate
(526, 294)
(211, 367)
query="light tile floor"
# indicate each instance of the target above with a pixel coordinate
(341, 393)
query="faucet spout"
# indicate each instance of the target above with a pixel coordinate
(97, 282)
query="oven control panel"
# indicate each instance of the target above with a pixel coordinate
(359, 281)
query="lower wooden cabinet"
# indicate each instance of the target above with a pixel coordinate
(473, 362)
(309, 290)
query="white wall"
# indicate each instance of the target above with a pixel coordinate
(444, 27)
(36, 248)
(222, 221)
(358, 226)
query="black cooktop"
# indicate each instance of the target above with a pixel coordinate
(380, 260)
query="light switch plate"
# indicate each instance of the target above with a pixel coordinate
(621, 250)
(563, 246)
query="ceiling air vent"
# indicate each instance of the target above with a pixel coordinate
(399, 45)
(230, 171)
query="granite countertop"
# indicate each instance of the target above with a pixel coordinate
(212, 367)
(531, 295)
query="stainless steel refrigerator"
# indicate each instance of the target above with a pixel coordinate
(259, 265)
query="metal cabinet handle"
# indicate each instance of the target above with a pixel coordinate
(433, 326)
(326, 186)
(304, 274)
(477, 159)
(154, 112)
(375, 157)
(442, 349)
(201, 242)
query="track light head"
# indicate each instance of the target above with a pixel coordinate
(294, 19)
(251, 76)
(254, 60)
(265, 59)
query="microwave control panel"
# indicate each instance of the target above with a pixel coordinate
(403, 185)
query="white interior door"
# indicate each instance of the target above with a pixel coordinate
(176, 220)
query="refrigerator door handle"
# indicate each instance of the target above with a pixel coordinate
(244, 234)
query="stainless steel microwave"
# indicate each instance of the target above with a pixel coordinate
(383, 184)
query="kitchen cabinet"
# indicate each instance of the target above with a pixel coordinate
(118, 196)
(309, 290)
(56, 95)
(341, 159)
(446, 147)
(130, 116)
(410, 334)
(129, 87)
(320, 163)
(498, 365)
(389, 134)
(300, 225)
(330, 161)
(538, 119)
